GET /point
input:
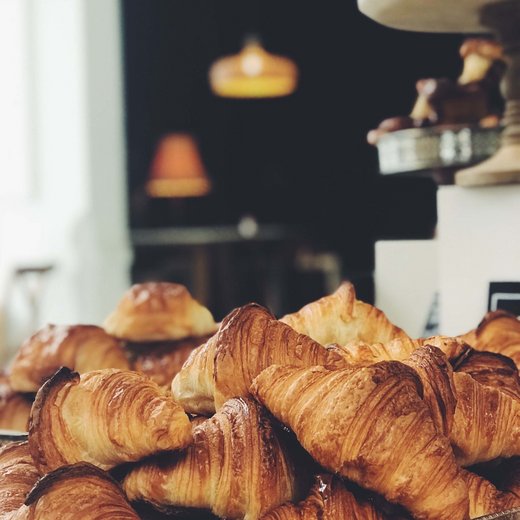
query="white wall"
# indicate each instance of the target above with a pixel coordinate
(76, 217)
(479, 230)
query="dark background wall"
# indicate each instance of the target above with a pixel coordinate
(302, 160)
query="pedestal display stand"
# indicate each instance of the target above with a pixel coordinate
(476, 242)
(502, 17)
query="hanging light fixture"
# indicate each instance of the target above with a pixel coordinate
(177, 169)
(253, 73)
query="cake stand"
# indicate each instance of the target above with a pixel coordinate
(437, 151)
(501, 17)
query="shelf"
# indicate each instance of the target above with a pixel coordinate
(439, 16)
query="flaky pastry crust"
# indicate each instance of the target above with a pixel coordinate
(157, 311)
(248, 340)
(79, 347)
(237, 467)
(105, 417)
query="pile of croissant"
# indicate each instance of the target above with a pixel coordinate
(329, 413)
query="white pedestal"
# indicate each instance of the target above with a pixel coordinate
(479, 231)
(406, 281)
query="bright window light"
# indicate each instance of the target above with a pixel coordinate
(15, 157)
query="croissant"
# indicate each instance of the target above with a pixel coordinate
(236, 466)
(17, 477)
(248, 340)
(370, 425)
(485, 498)
(341, 318)
(399, 349)
(482, 423)
(14, 407)
(80, 491)
(329, 499)
(81, 348)
(159, 311)
(498, 332)
(491, 369)
(105, 417)
(162, 361)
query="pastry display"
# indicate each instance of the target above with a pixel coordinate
(485, 498)
(161, 324)
(78, 491)
(341, 318)
(159, 311)
(17, 477)
(236, 467)
(498, 332)
(14, 407)
(80, 347)
(248, 340)
(370, 425)
(105, 417)
(330, 412)
(163, 360)
(471, 100)
(329, 499)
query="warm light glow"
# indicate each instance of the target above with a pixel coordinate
(253, 73)
(177, 169)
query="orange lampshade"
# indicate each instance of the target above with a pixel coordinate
(253, 73)
(177, 169)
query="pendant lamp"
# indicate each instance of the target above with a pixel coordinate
(177, 169)
(253, 73)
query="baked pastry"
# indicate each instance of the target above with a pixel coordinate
(485, 498)
(341, 318)
(248, 340)
(105, 417)
(79, 347)
(17, 476)
(158, 311)
(237, 467)
(491, 369)
(14, 407)
(482, 422)
(329, 499)
(162, 360)
(80, 491)
(370, 425)
(399, 349)
(498, 332)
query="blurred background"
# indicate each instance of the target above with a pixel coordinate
(100, 99)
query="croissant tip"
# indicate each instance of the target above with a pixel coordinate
(61, 377)
(81, 469)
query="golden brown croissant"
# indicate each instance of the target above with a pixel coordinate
(498, 332)
(80, 347)
(77, 492)
(17, 477)
(106, 417)
(399, 349)
(370, 425)
(485, 498)
(158, 311)
(329, 499)
(14, 407)
(482, 423)
(491, 369)
(236, 466)
(341, 318)
(163, 360)
(248, 340)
